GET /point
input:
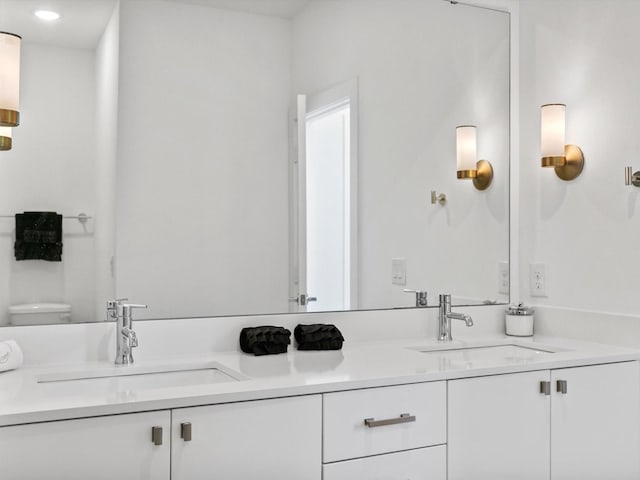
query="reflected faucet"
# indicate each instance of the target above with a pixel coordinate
(126, 338)
(446, 315)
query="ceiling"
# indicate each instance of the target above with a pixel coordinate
(80, 26)
(276, 8)
(82, 22)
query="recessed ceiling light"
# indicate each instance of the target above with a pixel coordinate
(47, 15)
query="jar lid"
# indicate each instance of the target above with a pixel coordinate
(520, 309)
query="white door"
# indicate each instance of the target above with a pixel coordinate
(276, 439)
(101, 448)
(595, 423)
(323, 211)
(298, 294)
(499, 428)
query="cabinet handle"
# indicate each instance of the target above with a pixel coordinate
(545, 388)
(561, 386)
(403, 418)
(185, 431)
(156, 435)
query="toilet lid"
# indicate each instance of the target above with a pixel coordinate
(40, 308)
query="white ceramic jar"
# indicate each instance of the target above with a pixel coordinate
(519, 321)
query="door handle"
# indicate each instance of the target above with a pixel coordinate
(185, 431)
(545, 388)
(156, 435)
(561, 386)
(303, 299)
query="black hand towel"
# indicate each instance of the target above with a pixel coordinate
(265, 340)
(318, 337)
(38, 236)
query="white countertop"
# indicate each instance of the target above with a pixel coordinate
(24, 400)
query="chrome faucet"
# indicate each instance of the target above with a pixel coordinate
(446, 315)
(421, 297)
(126, 338)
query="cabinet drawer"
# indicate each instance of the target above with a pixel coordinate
(422, 464)
(346, 436)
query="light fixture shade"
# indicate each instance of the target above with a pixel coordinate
(9, 79)
(5, 138)
(552, 130)
(466, 148)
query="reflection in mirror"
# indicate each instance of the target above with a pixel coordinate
(245, 162)
(53, 165)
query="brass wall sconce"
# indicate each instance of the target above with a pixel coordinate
(438, 198)
(631, 177)
(9, 79)
(5, 138)
(567, 160)
(468, 165)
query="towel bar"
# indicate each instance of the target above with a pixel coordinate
(81, 217)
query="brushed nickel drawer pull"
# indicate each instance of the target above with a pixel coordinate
(403, 418)
(185, 431)
(156, 435)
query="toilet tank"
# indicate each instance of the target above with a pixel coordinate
(39, 314)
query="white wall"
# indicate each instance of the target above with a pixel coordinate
(418, 79)
(583, 54)
(50, 169)
(202, 162)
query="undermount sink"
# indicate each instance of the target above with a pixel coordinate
(474, 356)
(135, 378)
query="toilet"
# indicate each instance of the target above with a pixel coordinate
(39, 314)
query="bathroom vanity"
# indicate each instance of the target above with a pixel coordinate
(553, 408)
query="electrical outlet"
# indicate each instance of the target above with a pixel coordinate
(398, 271)
(503, 277)
(538, 280)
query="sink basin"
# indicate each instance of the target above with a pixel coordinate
(135, 378)
(474, 356)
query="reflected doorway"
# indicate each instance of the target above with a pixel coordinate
(325, 199)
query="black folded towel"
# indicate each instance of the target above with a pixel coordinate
(38, 236)
(265, 340)
(318, 337)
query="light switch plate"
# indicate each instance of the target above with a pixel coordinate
(399, 271)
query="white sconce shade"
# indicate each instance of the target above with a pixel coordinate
(552, 129)
(5, 138)
(466, 148)
(567, 160)
(9, 79)
(468, 166)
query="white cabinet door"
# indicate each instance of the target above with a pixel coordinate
(595, 424)
(499, 428)
(421, 464)
(276, 439)
(103, 448)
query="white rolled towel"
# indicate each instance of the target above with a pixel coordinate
(11, 356)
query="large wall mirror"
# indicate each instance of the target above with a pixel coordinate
(257, 156)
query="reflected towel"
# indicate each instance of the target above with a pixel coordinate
(11, 356)
(38, 236)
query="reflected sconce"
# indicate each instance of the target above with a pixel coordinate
(468, 165)
(9, 79)
(567, 160)
(5, 138)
